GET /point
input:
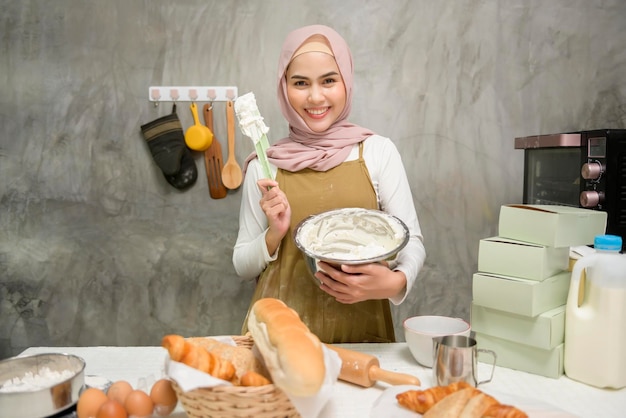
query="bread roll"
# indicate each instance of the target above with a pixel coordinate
(293, 355)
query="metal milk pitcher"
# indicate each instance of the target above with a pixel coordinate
(455, 358)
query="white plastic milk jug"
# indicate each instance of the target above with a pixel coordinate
(595, 318)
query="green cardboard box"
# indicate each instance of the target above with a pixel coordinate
(510, 257)
(520, 296)
(546, 330)
(548, 363)
(551, 225)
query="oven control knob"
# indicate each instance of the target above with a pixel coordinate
(591, 199)
(591, 171)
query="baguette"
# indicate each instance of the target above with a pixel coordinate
(293, 355)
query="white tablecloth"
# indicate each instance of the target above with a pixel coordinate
(564, 397)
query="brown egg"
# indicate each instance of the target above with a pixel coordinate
(112, 409)
(119, 390)
(90, 400)
(164, 397)
(138, 404)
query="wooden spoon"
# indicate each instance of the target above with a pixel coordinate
(213, 158)
(198, 137)
(231, 173)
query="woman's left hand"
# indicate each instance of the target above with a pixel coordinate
(357, 283)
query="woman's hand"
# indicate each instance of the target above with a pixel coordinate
(357, 283)
(277, 210)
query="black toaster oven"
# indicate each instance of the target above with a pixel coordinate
(584, 169)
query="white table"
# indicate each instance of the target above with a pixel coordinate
(143, 365)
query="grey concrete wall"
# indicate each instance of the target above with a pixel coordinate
(96, 248)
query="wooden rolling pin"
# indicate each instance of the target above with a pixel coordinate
(364, 370)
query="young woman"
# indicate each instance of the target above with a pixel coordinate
(325, 163)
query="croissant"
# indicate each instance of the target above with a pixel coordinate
(197, 357)
(477, 405)
(176, 346)
(487, 406)
(451, 406)
(504, 411)
(253, 379)
(421, 401)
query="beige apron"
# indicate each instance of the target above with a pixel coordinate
(287, 278)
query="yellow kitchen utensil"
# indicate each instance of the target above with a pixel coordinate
(198, 137)
(232, 175)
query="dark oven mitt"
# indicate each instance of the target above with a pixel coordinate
(166, 141)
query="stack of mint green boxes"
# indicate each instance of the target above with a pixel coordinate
(520, 289)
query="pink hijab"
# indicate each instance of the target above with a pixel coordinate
(304, 148)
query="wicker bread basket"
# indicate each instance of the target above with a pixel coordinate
(237, 401)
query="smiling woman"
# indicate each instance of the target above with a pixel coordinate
(325, 163)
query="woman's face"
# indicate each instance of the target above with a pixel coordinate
(315, 89)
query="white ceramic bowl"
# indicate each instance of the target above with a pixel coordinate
(419, 332)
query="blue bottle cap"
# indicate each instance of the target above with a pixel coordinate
(608, 242)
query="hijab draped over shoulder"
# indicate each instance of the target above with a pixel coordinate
(304, 148)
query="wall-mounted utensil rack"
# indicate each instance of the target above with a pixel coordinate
(192, 93)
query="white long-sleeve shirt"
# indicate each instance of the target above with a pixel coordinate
(392, 188)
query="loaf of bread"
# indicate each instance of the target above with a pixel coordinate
(242, 358)
(293, 355)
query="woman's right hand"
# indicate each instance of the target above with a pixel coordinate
(277, 210)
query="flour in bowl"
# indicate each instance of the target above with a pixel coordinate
(351, 234)
(43, 379)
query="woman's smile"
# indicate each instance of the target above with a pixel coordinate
(318, 112)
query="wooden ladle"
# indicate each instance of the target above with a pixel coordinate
(198, 137)
(231, 173)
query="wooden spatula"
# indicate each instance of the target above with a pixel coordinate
(213, 158)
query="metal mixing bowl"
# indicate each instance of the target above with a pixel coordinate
(48, 399)
(312, 257)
